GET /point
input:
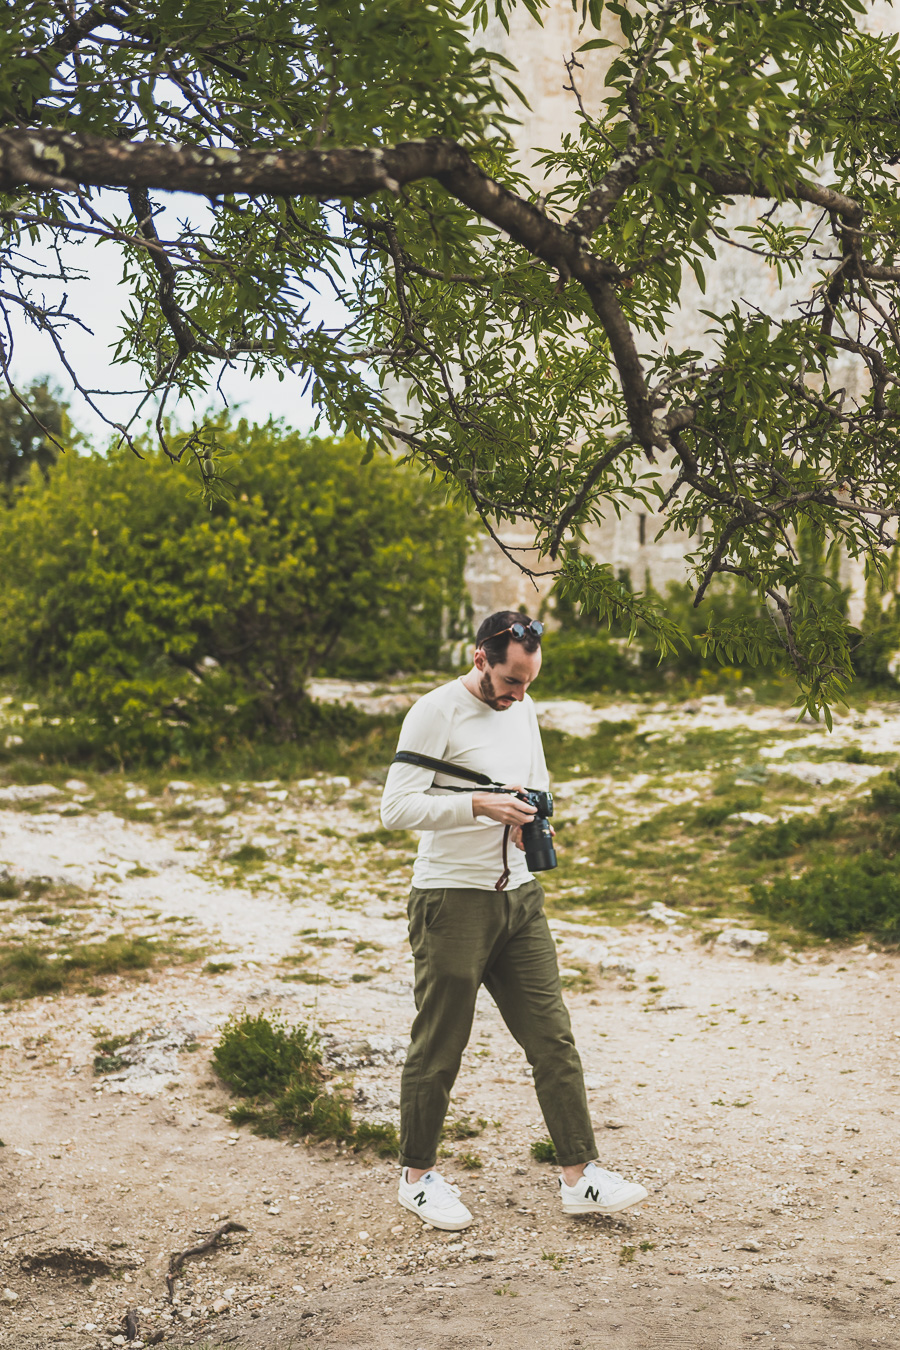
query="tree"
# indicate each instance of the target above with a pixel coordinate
(367, 146)
(31, 428)
(159, 623)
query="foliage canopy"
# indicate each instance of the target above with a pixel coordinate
(175, 626)
(367, 147)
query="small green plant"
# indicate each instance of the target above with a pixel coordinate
(463, 1127)
(505, 1289)
(556, 1260)
(626, 1254)
(544, 1150)
(646, 1245)
(470, 1161)
(10, 890)
(218, 967)
(247, 855)
(109, 1060)
(276, 1070)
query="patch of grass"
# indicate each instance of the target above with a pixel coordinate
(544, 1151)
(248, 855)
(463, 1127)
(470, 1161)
(556, 1259)
(218, 967)
(626, 1254)
(712, 814)
(276, 1070)
(839, 898)
(10, 890)
(29, 970)
(108, 1060)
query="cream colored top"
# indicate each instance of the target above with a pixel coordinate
(455, 848)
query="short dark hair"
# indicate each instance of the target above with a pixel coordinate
(496, 648)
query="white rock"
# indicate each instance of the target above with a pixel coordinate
(12, 742)
(753, 818)
(34, 792)
(741, 941)
(221, 1305)
(663, 914)
(832, 771)
(213, 806)
(749, 1245)
(178, 785)
(76, 785)
(133, 794)
(9, 1296)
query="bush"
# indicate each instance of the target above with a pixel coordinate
(165, 627)
(839, 899)
(276, 1070)
(544, 1150)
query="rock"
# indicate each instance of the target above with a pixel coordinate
(621, 965)
(134, 794)
(831, 771)
(212, 806)
(614, 1123)
(12, 742)
(9, 1296)
(741, 941)
(753, 818)
(76, 785)
(668, 1005)
(178, 785)
(221, 1305)
(749, 1245)
(78, 1258)
(33, 792)
(663, 914)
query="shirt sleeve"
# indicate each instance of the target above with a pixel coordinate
(410, 801)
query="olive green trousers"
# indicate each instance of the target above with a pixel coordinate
(460, 940)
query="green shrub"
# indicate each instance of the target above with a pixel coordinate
(162, 627)
(28, 970)
(712, 814)
(277, 1072)
(787, 836)
(885, 796)
(544, 1150)
(839, 898)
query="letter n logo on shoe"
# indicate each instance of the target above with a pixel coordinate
(420, 1198)
(592, 1194)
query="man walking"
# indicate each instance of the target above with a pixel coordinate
(476, 917)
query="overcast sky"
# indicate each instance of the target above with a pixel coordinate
(99, 301)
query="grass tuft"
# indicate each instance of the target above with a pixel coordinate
(544, 1151)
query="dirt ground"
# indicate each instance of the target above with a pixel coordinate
(757, 1100)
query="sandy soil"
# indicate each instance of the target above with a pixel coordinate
(757, 1101)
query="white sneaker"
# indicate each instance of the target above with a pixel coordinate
(600, 1192)
(435, 1201)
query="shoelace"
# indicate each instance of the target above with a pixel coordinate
(444, 1192)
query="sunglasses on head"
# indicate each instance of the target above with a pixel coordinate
(518, 630)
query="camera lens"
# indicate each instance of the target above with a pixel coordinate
(540, 855)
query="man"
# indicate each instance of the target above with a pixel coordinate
(476, 917)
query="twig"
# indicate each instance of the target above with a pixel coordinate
(177, 1259)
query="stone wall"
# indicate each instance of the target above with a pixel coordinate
(629, 542)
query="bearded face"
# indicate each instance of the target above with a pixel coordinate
(499, 702)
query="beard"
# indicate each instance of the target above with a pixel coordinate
(499, 702)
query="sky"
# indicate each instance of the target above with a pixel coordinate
(99, 300)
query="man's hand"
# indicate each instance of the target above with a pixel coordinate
(507, 810)
(516, 836)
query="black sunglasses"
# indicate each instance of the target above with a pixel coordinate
(519, 630)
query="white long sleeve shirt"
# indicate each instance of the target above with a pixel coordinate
(457, 849)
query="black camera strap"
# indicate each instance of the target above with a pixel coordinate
(441, 766)
(471, 776)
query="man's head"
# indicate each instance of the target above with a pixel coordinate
(507, 658)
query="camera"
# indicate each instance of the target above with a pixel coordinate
(537, 837)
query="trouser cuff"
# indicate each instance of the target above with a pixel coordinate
(406, 1160)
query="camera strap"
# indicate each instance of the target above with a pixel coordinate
(471, 776)
(441, 766)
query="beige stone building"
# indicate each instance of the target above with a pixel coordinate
(630, 542)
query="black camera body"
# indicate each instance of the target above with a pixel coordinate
(537, 837)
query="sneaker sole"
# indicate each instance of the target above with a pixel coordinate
(593, 1207)
(446, 1225)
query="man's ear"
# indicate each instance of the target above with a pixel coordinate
(480, 659)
